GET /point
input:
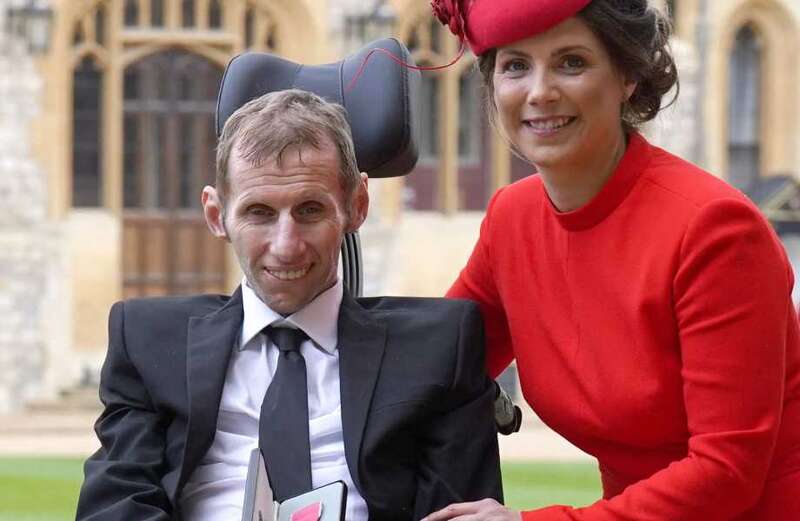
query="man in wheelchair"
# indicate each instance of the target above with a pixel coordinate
(386, 394)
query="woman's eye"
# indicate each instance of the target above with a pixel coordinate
(513, 66)
(572, 63)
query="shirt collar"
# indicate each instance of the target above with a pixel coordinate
(319, 319)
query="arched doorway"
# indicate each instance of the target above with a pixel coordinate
(169, 143)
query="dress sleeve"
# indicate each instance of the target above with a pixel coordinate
(732, 303)
(477, 282)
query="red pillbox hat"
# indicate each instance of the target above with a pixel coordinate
(486, 24)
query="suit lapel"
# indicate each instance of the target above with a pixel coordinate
(362, 341)
(209, 343)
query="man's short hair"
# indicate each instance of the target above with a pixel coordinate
(265, 127)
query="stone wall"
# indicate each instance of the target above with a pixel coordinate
(29, 244)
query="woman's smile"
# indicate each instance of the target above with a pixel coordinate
(548, 126)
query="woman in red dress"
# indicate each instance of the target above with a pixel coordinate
(645, 301)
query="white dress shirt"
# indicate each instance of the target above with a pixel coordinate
(215, 491)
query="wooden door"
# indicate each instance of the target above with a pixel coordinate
(169, 108)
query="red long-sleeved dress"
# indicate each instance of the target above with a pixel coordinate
(654, 329)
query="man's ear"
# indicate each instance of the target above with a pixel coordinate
(359, 205)
(214, 212)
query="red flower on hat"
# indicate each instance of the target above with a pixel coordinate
(449, 13)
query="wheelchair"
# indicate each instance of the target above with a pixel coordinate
(379, 96)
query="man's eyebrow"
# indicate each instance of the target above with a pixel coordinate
(311, 195)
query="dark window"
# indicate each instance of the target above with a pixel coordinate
(86, 157)
(474, 170)
(100, 25)
(157, 13)
(249, 27)
(215, 14)
(422, 185)
(196, 158)
(188, 13)
(429, 118)
(187, 192)
(77, 36)
(412, 42)
(186, 86)
(169, 133)
(270, 42)
(469, 117)
(132, 189)
(131, 84)
(131, 12)
(169, 144)
(744, 109)
(160, 151)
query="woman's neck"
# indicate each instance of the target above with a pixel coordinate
(571, 185)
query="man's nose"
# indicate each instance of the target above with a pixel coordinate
(287, 241)
(542, 88)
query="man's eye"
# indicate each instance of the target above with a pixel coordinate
(310, 210)
(259, 211)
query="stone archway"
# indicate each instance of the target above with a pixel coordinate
(777, 30)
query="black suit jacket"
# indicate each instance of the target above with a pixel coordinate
(417, 407)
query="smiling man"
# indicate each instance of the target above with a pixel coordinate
(386, 394)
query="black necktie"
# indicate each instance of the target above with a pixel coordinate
(283, 425)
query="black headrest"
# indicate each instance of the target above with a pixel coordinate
(380, 105)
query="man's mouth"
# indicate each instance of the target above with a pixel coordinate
(292, 274)
(548, 125)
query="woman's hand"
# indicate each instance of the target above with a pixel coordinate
(483, 510)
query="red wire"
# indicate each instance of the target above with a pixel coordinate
(399, 61)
